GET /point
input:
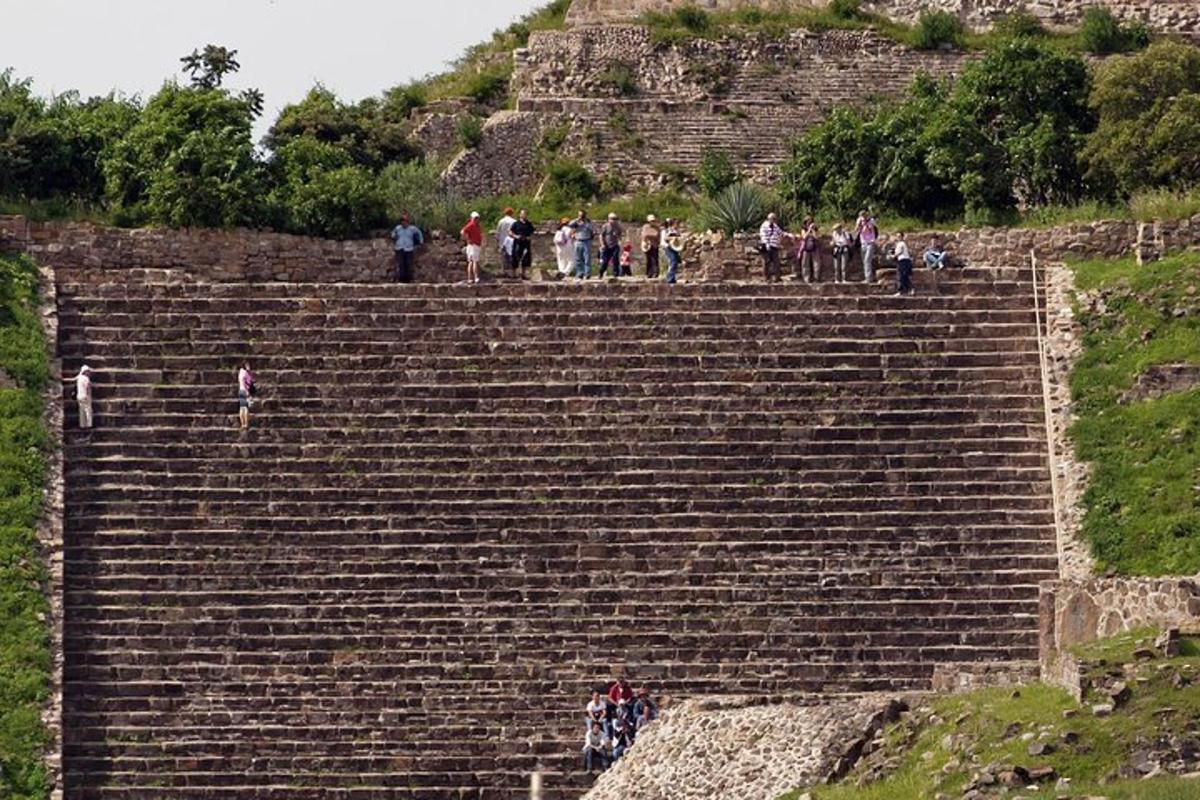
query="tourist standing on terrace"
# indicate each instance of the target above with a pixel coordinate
(673, 247)
(584, 232)
(472, 234)
(610, 246)
(841, 252)
(406, 237)
(867, 232)
(904, 266)
(245, 382)
(83, 396)
(564, 246)
(503, 243)
(808, 267)
(650, 242)
(770, 240)
(522, 244)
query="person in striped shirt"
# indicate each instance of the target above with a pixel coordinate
(770, 238)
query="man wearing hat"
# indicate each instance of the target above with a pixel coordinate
(610, 246)
(83, 394)
(650, 243)
(472, 234)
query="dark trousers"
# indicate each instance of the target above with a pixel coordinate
(522, 255)
(771, 266)
(904, 270)
(610, 255)
(404, 266)
(652, 262)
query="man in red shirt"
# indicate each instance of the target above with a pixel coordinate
(472, 234)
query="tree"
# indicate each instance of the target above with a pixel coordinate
(188, 161)
(1148, 126)
(209, 67)
(320, 191)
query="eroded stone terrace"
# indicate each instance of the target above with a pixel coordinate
(459, 507)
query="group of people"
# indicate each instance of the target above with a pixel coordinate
(614, 719)
(578, 243)
(842, 243)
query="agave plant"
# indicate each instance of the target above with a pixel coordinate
(740, 207)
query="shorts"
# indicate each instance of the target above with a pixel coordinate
(243, 399)
(474, 252)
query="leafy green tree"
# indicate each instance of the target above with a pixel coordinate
(320, 191)
(1149, 124)
(716, 172)
(1013, 128)
(188, 161)
(374, 133)
(208, 67)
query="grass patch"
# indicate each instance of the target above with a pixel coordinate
(942, 745)
(24, 639)
(1164, 204)
(1142, 506)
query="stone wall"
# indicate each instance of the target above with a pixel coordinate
(1176, 16)
(748, 96)
(1078, 612)
(505, 162)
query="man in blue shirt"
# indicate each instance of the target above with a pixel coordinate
(406, 237)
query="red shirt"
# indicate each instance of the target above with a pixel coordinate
(473, 233)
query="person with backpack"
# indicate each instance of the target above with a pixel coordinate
(246, 390)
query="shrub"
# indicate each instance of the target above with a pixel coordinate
(568, 180)
(489, 85)
(716, 172)
(692, 19)
(1156, 204)
(937, 29)
(1020, 23)
(673, 176)
(612, 183)
(1101, 33)
(845, 9)
(740, 207)
(619, 76)
(470, 131)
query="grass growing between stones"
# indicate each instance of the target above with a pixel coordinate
(24, 639)
(941, 748)
(1143, 501)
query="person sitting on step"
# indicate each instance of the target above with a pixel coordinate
(597, 710)
(595, 748)
(622, 738)
(935, 254)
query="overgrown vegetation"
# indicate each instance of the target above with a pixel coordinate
(1142, 504)
(943, 745)
(736, 208)
(24, 640)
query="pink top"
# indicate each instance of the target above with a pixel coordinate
(245, 378)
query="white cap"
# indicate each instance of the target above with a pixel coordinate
(474, 215)
(85, 368)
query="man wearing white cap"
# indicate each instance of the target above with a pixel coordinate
(83, 395)
(472, 234)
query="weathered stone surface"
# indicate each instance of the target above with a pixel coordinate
(752, 752)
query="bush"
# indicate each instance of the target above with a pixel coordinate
(673, 176)
(568, 180)
(1158, 204)
(489, 85)
(937, 29)
(470, 131)
(1020, 23)
(619, 76)
(1101, 33)
(692, 19)
(612, 183)
(845, 9)
(740, 207)
(716, 173)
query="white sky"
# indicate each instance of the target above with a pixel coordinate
(357, 48)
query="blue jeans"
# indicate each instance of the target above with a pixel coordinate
(592, 757)
(869, 262)
(904, 271)
(672, 265)
(935, 261)
(583, 259)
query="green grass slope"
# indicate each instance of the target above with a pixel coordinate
(1143, 501)
(24, 639)
(941, 748)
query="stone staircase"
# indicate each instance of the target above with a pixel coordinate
(458, 508)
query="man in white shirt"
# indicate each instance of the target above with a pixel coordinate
(83, 395)
(770, 240)
(595, 748)
(503, 227)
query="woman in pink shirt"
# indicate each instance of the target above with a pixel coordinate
(245, 380)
